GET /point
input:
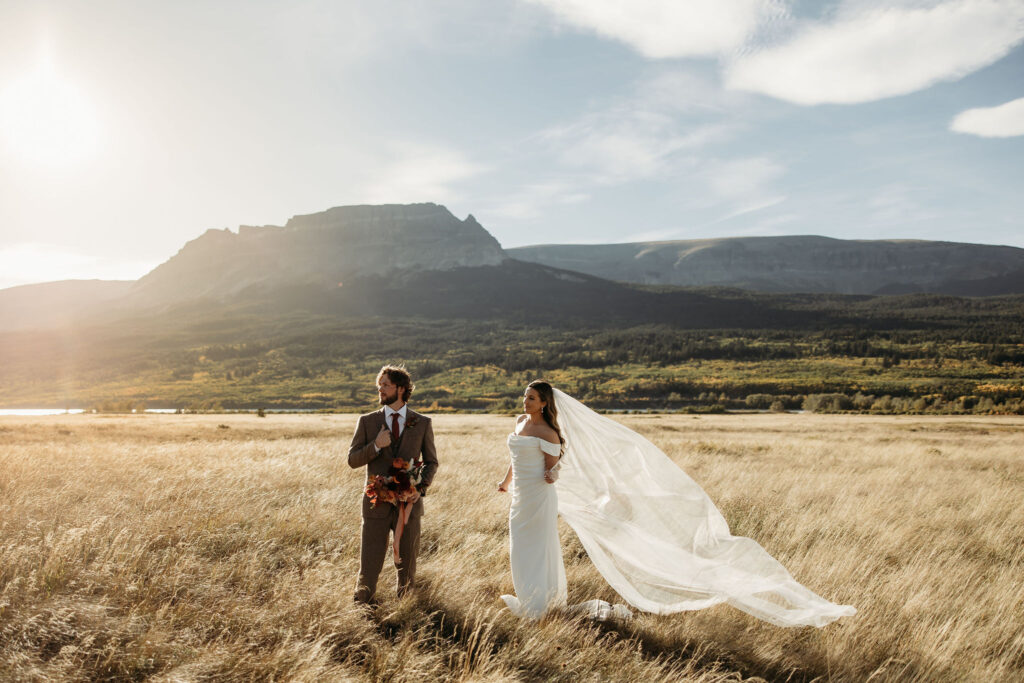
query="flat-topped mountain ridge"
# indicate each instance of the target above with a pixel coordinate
(800, 263)
(326, 249)
(419, 259)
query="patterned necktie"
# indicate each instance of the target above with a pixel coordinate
(394, 427)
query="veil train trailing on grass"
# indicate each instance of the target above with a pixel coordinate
(657, 538)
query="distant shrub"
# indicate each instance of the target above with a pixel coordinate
(760, 401)
(827, 403)
(985, 406)
(883, 405)
(123, 406)
(862, 402)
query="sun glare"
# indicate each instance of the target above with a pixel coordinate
(47, 121)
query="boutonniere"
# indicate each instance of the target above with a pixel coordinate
(411, 422)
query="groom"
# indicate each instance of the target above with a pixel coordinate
(392, 432)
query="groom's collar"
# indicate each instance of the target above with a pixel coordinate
(403, 412)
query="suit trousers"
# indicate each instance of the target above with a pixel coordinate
(376, 544)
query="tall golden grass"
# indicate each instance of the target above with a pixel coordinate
(184, 548)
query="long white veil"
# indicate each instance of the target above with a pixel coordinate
(657, 538)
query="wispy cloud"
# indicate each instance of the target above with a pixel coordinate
(867, 52)
(747, 179)
(417, 172)
(351, 31)
(626, 144)
(662, 133)
(767, 225)
(898, 205)
(655, 131)
(1003, 121)
(529, 201)
(669, 28)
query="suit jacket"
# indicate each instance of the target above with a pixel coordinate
(415, 443)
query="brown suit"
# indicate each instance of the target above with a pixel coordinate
(415, 443)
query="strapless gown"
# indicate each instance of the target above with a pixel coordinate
(534, 550)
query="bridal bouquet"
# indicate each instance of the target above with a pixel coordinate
(398, 485)
(397, 488)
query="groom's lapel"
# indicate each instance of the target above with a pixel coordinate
(378, 422)
(412, 421)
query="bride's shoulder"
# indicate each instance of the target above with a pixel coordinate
(520, 418)
(548, 434)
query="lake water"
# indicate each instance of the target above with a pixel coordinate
(23, 412)
(39, 411)
(56, 411)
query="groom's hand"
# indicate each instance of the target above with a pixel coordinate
(383, 439)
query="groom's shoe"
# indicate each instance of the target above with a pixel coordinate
(366, 605)
(364, 596)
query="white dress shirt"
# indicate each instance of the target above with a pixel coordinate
(388, 412)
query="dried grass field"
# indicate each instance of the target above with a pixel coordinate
(224, 547)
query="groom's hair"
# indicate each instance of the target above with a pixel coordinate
(400, 377)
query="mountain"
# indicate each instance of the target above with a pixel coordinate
(55, 304)
(397, 261)
(300, 315)
(324, 249)
(316, 254)
(419, 260)
(797, 264)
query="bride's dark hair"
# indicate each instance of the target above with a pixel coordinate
(549, 411)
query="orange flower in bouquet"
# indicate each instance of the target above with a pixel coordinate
(398, 487)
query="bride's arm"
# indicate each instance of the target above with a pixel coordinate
(503, 486)
(551, 468)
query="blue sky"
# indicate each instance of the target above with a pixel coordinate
(128, 128)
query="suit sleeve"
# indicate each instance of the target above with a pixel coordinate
(362, 450)
(429, 458)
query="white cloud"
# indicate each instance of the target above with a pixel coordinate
(418, 173)
(629, 143)
(869, 54)
(660, 132)
(531, 200)
(897, 205)
(669, 28)
(1003, 121)
(753, 207)
(744, 179)
(693, 92)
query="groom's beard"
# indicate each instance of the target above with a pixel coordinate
(388, 400)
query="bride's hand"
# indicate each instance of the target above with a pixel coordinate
(503, 487)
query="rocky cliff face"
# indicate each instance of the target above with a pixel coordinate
(325, 249)
(795, 264)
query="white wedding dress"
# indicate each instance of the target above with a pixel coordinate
(650, 530)
(534, 551)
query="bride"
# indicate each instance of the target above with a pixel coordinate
(650, 530)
